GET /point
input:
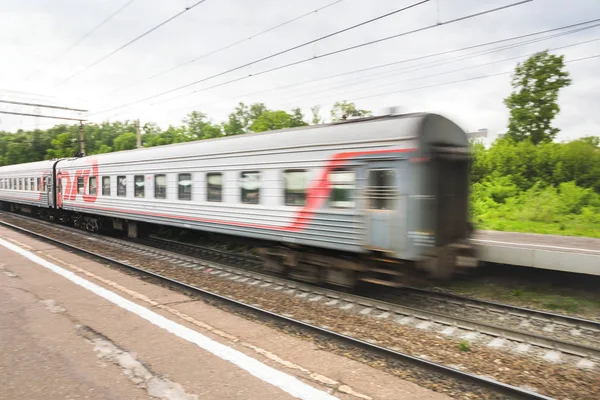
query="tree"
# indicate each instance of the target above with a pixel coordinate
(125, 141)
(270, 120)
(242, 118)
(297, 118)
(200, 128)
(533, 102)
(316, 117)
(196, 121)
(343, 109)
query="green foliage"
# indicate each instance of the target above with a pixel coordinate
(270, 120)
(343, 109)
(464, 345)
(548, 188)
(198, 126)
(316, 117)
(63, 140)
(533, 103)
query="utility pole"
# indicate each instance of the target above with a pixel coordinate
(81, 139)
(139, 134)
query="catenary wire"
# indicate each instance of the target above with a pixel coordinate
(458, 81)
(381, 65)
(86, 35)
(492, 10)
(288, 101)
(230, 45)
(417, 67)
(112, 53)
(304, 44)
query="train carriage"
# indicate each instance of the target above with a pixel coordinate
(28, 187)
(330, 203)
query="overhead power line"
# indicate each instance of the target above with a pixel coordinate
(112, 53)
(226, 47)
(460, 80)
(443, 73)
(322, 55)
(94, 29)
(405, 70)
(483, 52)
(89, 33)
(20, 103)
(41, 116)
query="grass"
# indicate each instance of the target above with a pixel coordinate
(464, 345)
(564, 228)
(543, 296)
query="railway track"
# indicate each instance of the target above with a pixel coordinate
(549, 335)
(587, 354)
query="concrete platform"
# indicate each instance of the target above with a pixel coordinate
(560, 253)
(73, 328)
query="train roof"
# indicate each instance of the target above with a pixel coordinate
(426, 127)
(28, 167)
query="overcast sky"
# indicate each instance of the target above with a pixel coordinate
(38, 60)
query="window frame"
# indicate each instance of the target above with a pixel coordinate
(213, 199)
(345, 185)
(136, 191)
(286, 190)
(81, 181)
(105, 193)
(179, 186)
(244, 191)
(163, 193)
(124, 187)
(384, 200)
(95, 178)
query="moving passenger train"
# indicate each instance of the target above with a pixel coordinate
(337, 203)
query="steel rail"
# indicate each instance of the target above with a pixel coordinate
(481, 381)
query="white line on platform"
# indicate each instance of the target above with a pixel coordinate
(285, 382)
(535, 245)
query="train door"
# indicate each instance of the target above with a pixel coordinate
(385, 206)
(49, 193)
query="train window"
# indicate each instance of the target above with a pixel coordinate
(45, 183)
(80, 185)
(185, 186)
(295, 182)
(342, 184)
(160, 186)
(214, 187)
(106, 186)
(139, 186)
(121, 186)
(39, 184)
(381, 189)
(92, 184)
(250, 185)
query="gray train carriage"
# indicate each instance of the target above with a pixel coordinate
(27, 187)
(331, 203)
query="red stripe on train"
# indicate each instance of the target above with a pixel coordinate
(316, 196)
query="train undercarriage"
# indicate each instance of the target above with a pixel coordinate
(301, 263)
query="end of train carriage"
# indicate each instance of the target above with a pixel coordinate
(416, 204)
(445, 176)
